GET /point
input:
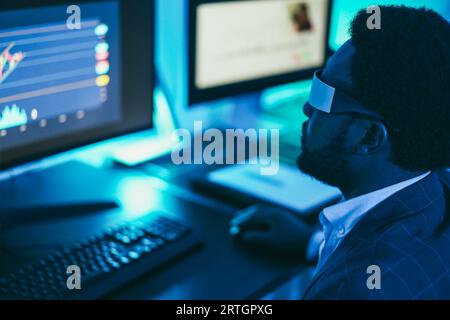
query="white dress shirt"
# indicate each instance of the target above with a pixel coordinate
(339, 219)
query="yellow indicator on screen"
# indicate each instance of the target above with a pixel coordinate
(102, 81)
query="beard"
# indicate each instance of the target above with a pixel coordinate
(329, 164)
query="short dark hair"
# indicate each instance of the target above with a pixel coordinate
(402, 71)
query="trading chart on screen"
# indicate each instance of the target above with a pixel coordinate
(52, 75)
(48, 70)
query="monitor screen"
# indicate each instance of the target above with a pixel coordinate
(344, 11)
(249, 45)
(66, 81)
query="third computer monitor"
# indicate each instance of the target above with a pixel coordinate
(343, 12)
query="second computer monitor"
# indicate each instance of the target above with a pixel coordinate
(244, 46)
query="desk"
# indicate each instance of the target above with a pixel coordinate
(218, 270)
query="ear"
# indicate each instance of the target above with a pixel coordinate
(375, 138)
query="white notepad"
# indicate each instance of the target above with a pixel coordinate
(289, 188)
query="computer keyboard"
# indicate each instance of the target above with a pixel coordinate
(108, 261)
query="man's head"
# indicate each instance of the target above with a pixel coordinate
(399, 73)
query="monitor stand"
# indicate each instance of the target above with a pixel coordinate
(246, 111)
(68, 189)
(242, 113)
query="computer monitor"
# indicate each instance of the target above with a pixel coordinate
(64, 84)
(237, 47)
(344, 11)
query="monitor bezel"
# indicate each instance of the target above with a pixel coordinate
(136, 92)
(196, 95)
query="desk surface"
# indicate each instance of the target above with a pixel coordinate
(218, 270)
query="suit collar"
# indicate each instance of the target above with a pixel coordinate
(406, 202)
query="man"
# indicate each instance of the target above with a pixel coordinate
(379, 130)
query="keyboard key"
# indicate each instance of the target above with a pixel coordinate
(134, 255)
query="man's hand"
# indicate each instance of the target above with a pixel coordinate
(271, 228)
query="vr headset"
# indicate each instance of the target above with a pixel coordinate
(328, 99)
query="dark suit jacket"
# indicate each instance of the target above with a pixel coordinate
(407, 236)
